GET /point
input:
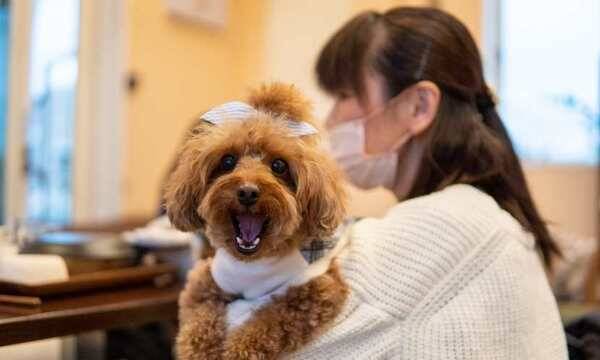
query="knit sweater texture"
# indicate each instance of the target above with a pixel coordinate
(444, 276)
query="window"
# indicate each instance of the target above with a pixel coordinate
(543, 57)
(52, 93)
(64, 118)
(4, 38)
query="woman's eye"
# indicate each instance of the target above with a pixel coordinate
(228, 162)
(279, 166)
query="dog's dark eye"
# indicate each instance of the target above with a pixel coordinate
(279, 166)
(228, 162)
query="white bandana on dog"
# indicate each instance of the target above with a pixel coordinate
(255, 278)
(258, 281)
(240, 111)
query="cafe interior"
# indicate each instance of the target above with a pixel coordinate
(96, 97)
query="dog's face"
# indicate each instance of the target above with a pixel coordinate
(253, 189)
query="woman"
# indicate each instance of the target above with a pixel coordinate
(453, 271)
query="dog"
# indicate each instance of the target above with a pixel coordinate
(255, 180)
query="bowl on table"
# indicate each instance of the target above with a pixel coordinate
(84, 252)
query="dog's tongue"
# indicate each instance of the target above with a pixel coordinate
(250, 226)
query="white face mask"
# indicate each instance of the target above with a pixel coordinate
(347, 143)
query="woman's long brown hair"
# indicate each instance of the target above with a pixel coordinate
(467, 142)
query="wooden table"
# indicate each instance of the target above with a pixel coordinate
(79, 313)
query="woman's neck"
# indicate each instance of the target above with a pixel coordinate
(409, 164)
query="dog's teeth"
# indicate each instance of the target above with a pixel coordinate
(242, 244)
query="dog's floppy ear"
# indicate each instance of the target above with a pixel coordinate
(281, 99)
(321, 195)
(186, 186)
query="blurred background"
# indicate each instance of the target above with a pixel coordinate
(96, 95)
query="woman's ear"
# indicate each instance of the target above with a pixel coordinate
(405, 116)
(425, 100)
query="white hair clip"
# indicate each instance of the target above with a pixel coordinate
(240, 111)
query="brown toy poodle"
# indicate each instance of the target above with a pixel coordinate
(255, 180)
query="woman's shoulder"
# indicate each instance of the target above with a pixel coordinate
(461, 198)
(457, 206)
(397, 260)
(450, 222)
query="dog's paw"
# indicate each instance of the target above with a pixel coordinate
(257, 339)
(245, 353)
(201, 333)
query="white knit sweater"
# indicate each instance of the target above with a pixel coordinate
(445, 276)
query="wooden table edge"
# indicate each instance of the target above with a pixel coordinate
(19, 329)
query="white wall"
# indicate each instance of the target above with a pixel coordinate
(566, 196)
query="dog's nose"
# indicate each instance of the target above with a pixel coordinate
(248, 195)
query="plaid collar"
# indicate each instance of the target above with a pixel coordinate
(320, 247)
(317, 249)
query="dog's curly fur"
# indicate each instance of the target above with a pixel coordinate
(306, 202)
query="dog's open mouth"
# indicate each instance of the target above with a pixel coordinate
(248, 230)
